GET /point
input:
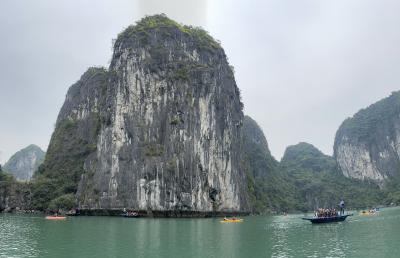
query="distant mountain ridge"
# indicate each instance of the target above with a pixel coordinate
(318, 182)
(303, 180)
(306, 156)
(266, 185)
(25, 162)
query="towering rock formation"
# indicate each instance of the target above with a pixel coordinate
(159, 130)
(367, 146)
(25, 162)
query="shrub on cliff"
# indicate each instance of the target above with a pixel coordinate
(43, 191)
(64, 202)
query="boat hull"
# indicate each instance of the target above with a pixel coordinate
(328, 219)
(130, 216)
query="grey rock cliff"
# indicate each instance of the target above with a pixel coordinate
(159, 130)
(25, 162)
(367, 146)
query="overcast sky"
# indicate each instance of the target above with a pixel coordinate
(302, 66)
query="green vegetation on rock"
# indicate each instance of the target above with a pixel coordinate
(267, 188)
(69, 147)
(64, 202)
(318, 182)
(367, 144)
(12, 193)
(165, 26)
(7, 182)
(366, 124)
(305, 178)
(154, 150)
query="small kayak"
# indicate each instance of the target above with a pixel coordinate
(231, 220)
(368, 213)
(56, 217)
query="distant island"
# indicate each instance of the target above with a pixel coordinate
(25, 162)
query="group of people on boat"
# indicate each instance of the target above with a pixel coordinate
(131, 214)
(127, 213)
(324, 213)
(330, 212)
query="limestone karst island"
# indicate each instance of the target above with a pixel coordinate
(166, 130)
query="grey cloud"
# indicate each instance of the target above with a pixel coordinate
(302, 66)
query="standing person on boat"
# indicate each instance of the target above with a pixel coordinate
(341, 205)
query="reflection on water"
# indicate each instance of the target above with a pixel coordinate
(360, 236)
(18, 237)
(278, 236)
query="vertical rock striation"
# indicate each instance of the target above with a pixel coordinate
(159, 130)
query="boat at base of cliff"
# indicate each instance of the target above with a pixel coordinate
(162, 213)
(130, 215)
(320, 220)
(73, 212)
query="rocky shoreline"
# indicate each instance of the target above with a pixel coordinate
(143, 213)
(163, 213)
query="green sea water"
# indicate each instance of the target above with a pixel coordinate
(269, 236)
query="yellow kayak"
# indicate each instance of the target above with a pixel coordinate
(231, 220)
(367, 213)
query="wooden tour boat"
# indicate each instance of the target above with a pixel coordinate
(319, 220)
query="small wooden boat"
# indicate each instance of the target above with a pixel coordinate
(130, 215)
(56, 217)
(72, 213)
(319, 220)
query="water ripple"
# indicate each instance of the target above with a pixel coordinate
(18, 237)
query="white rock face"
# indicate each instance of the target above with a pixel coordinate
(369, 151)
(356, 162)
(169, 135)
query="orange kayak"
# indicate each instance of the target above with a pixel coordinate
(55, 217)
(231, 220)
